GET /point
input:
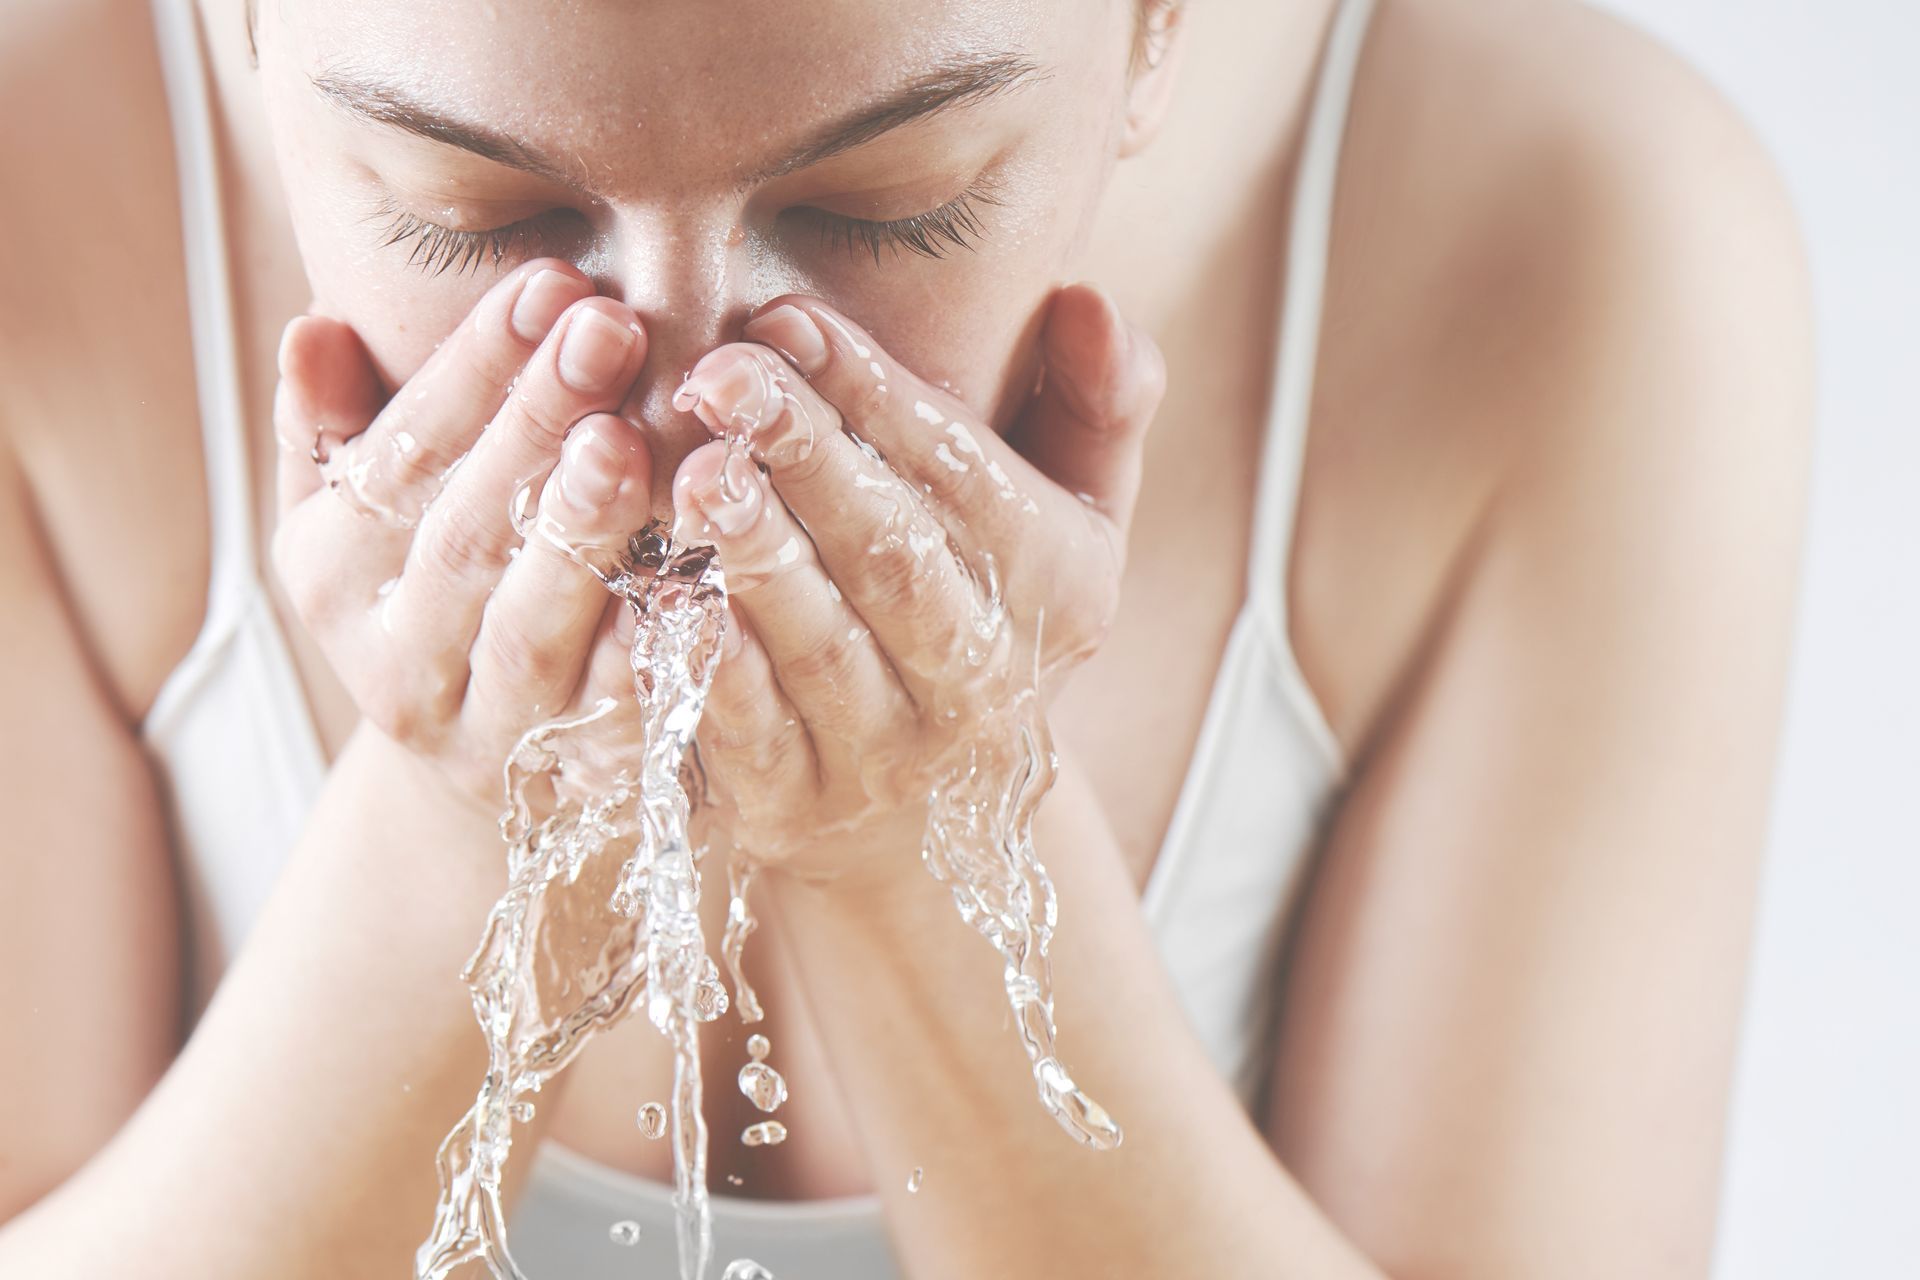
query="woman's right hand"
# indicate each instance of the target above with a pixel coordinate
(453, 639)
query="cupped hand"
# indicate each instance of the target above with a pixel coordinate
(396, 541)
(897, 570)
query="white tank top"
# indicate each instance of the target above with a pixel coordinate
(242, 764)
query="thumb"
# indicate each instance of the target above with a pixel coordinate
(328, 393)
(1101, 381)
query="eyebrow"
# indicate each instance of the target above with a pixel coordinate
(947, 87)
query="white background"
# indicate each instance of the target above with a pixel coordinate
(1824, 1175)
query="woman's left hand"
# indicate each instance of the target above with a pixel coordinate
(900, 569)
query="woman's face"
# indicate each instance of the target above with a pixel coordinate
(930, 167)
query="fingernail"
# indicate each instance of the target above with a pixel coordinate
(735, 392)
(731, 516)
(595, 351)
(591, 468)
(281, 356)
(540, 303)
(791, 332)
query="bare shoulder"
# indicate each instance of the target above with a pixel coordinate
(96, 362)
(1567, 277)
(1570, 330)
(1591, 205)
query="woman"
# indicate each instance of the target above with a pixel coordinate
(1495, 651)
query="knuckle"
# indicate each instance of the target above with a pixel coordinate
(539, 413)
(948, 486)
(395, 713)
(517, 657)
(456, 543)
(833, 665)
(894, 579)
(870, 390)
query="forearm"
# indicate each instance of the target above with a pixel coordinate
(911, 1005)
(295, 1135)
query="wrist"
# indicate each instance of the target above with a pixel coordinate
(389, 777)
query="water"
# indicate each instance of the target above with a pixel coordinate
(600, 849)
(767, 1133)
(574, 807)
(764, 1087)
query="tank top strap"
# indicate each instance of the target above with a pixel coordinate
(210, 306)
(1308, 240)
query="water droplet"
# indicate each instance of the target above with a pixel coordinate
(763, 1086)
(626, 1233)
(710, 997)
(768, 1133)
(734, 1180)
(745, 1269)
(522, 1112)
(913, 1181)
(653, 1121)
(758, 1046)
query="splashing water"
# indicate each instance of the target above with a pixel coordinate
(537, 1003)
(573, 805)
(768, 1133)
(764, 1087)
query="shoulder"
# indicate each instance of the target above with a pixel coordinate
(89, 168)
(1568, 303)
(1590, 226)
(98, 407)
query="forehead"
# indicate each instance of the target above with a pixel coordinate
(626, 77)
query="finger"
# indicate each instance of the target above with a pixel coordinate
(928, 436)
(874, 536)
(1101, 382)
(328, 387)
(539, 625)
(466, 537)
(752, 740)
(825, 658)
(406, 447)
(393, 470)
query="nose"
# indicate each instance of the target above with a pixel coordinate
(687, 276)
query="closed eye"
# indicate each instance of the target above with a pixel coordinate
(956, 224)
(436, 249)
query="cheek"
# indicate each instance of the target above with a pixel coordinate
(970, 324)
(400, 313)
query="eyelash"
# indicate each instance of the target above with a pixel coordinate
(933, 234)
